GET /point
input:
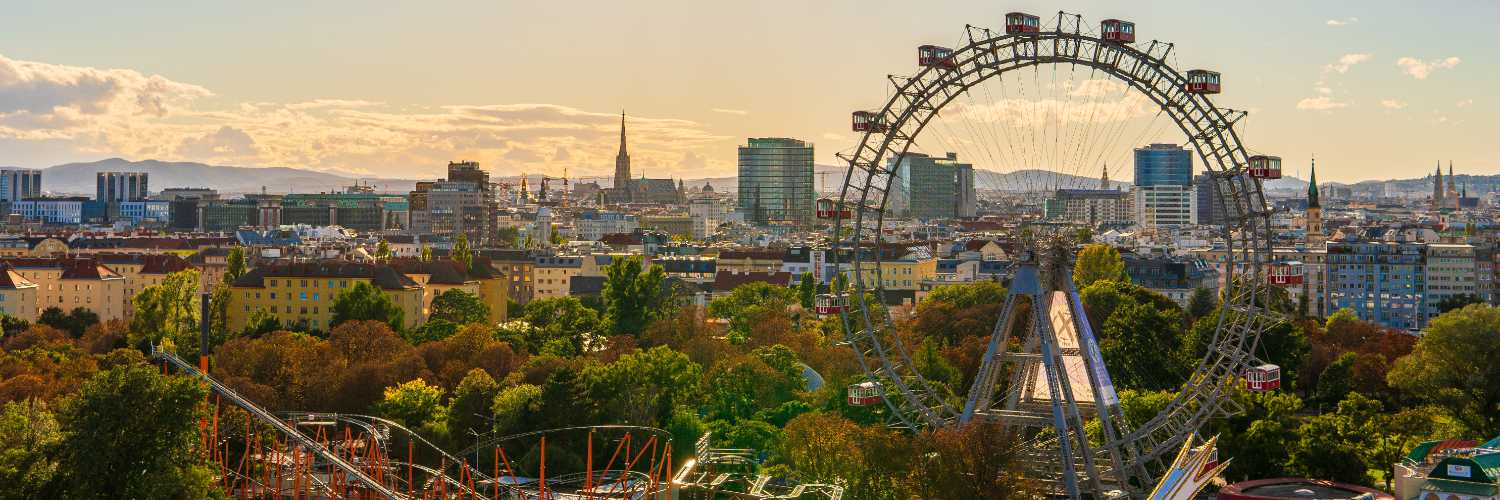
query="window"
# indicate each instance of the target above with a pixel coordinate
(273, 282)
(304, 296)
(273, 295)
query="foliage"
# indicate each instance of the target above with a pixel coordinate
(1375, 349)
(1336, 380)
(643, 388)
(383, 251)
(951, 313)
(742, 306)
(345, 373)
(260, 323)
(975, 460)
(451, 360)
(425, 254)
(366, 302)
(459, 307)
(1098, 262)
(471, 407)
(462, 252)
(235, 265)
(1453, 366)
(169, 311)
(563, 319)
(1201, 304)
(1458, 301)
(413, 403)
(633, 297)
(28, 434)
(75, 322)
(1330, 446)
(430, 331)
(807, 291)
(517, 408)
(1132, 345)
(131, 433)
(741, 386)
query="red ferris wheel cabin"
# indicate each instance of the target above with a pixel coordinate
(933, 56)
(1020, 22)
(1117, 31)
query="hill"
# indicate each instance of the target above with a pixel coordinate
(79, 178)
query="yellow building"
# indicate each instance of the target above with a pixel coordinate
(750, 261)
(902, 278)
(439, 276)
(71, 282)
(304, 292)
(141, 271)
(554, 275)
(17, 295)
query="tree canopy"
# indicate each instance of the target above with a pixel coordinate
(459, 307)
(633, 297)
(1453, 365)
(1098, 262)
(367, 302)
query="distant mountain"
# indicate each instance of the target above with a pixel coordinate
(79, 178)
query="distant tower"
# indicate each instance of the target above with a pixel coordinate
(1315, 236)
(1104, 178)
(622, 166)
(1437, 187)
(1450, 197)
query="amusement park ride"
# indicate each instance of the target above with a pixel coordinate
(1046, 380)
(1042, 376)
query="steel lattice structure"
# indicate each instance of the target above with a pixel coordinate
(1128, 458)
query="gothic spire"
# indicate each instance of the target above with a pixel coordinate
(1312, 185)
(622, 134)
(1104, 178)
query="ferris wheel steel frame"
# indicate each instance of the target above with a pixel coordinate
(917, 99)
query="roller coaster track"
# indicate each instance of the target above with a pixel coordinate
(266, 417)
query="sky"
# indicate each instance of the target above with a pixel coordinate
(1374, 89)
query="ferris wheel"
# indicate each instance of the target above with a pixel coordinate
(1043, 136)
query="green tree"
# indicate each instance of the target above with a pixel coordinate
(1337, 380)
(633, 297)
(413, 403)
(169, 310)
(1098, 262)
(28, 434)
(431, 331)
(743, 305)
(563, 319)
(807, 291)
(459, 307)
(364, 301)
(75, 322)
(472, 405)
(1453, 366)
(1132, 344)
(133, 433)
(517, 408)
(383, 251)
(1201, 304)
(260, 323)
(462, 253)
(1332, 445)
(1258, 438)
(643, 388)
(235, 265)
(1458, 301)
(426, 253)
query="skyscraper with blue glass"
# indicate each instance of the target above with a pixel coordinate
(1164, 186)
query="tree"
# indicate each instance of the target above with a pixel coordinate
(461, 252)
(643, 388)
(743, 303)
(633, 298)
(472, 405)
(383, 251)
(260, 323)
(169, 310)
(28, 434)
(517, 408)
(364, 301)
(413, 403)
(1331, 445)
(1335, 382)
(1098, 262)
(75, 322)
(234, 264)
(974, 460)
(563, 319)
(133, 433)
(1458, 301)
(807, 291)
(426, 253)
(459, 307)
(1453, 366)
(1201, 304)
(1139, 344)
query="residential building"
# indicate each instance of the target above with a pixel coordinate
(1451, 270)
(776, 181)
(440, 276)
(554, 273)
(750, 261)
(1164, 186)
(20, 183)
(1173, 277)
(593, 225)
(1382, 282)
(1089, 206)
(72, 282)
(303, 293)
(141, 271)
(516, 267)
(18, 295)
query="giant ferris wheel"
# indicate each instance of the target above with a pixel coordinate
(1042, 375)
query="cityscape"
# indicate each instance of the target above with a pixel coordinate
(1044, 255)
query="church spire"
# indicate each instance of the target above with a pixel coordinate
(622, 134)
(1312, 185)
(622, 167)
(1104, 178)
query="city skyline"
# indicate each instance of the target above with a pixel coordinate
(398, 91)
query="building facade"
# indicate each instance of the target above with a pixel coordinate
(1164, 194)
(20, 184)
(776, 181)
(1382, 282)
(304, 293)
(932, 188)
(114, 187)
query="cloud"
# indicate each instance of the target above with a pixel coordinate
(1420, 69)
(1345, 62)
(121, 112)
(1392, 104)
(1464, 103)
(1341, 22)
(1320, 103)
(726, 111)
(692, 161)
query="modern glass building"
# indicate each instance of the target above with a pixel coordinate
(1382, 282)
(20, 183)
(932, 188)
(776, 181)
(1164, 191)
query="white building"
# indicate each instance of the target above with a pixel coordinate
(1166, 205)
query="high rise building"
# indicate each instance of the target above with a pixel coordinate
(1382, 282)
(20, 183)
(1164, 186)
(1210, 208)
(933, 188)
(114, 187)
(776, 181)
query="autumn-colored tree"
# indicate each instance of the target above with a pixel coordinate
(975, 460)
(1098, 262)
(1453, 366)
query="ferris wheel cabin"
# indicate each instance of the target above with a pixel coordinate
(1263, 378)
(828, 209)
(868, 121)
(1020, 22)
(1117, 31)
(1202, 81)
(864, 394)
(829, 303)
(1265, 167)
(933, 56)
(1286, 273)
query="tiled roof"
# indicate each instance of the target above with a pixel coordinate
(442, 272)
(10, 279)
(72, 267)
(382, 276)
(150, 264)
